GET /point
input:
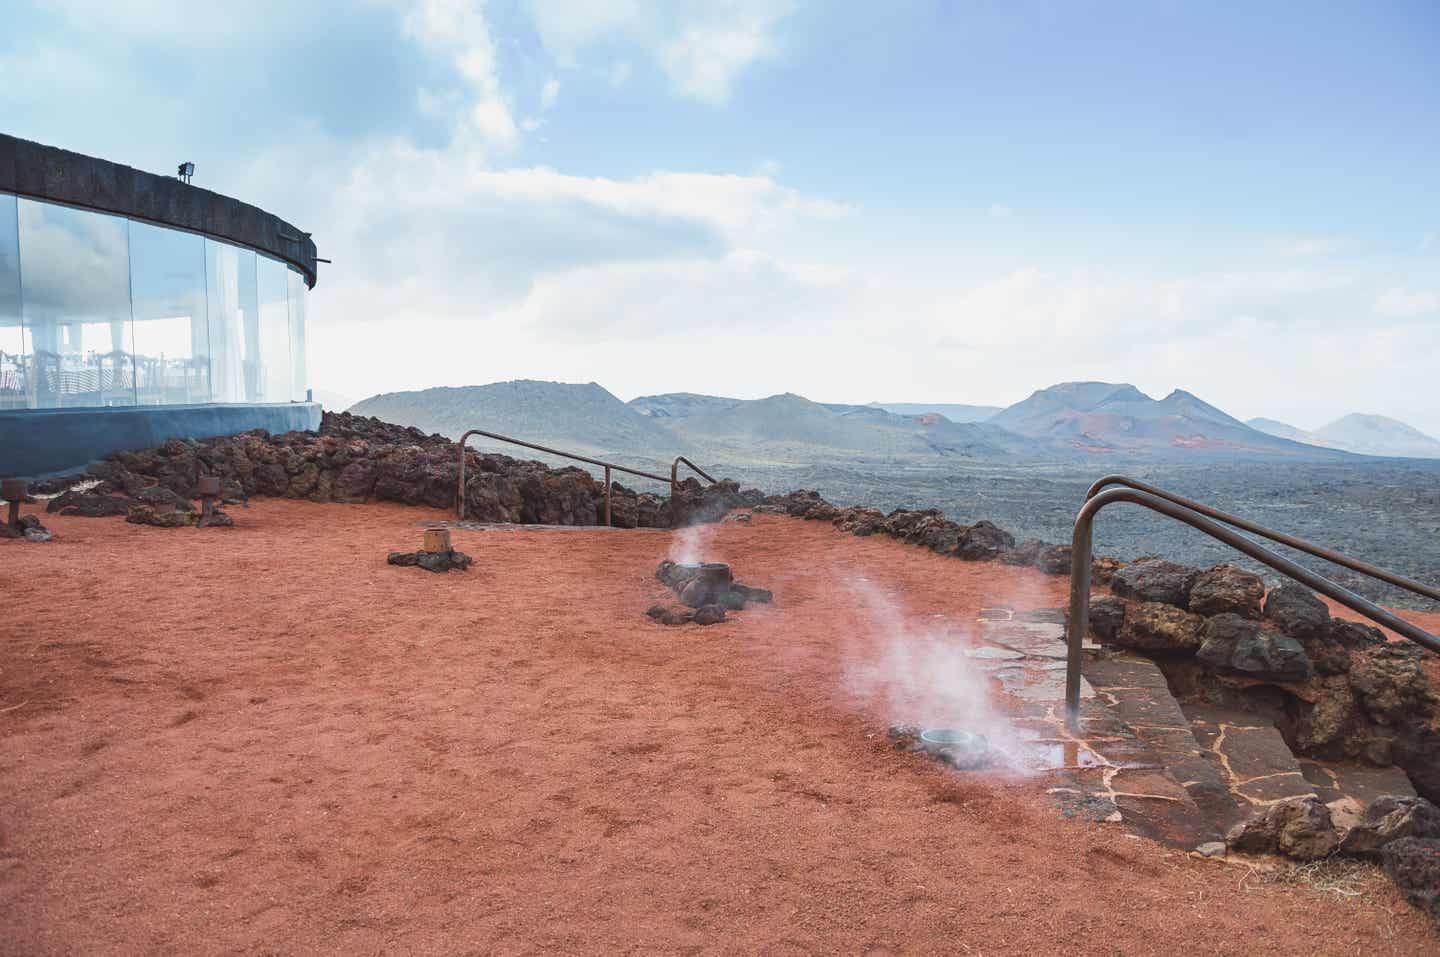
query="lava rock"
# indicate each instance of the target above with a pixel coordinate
(762, 595)
(709, 615)
(162, 507)
(55, 485)
(1332, 723)
(1390, 818)
(1296, 611)
(1103, 569)
(1298, 827)
(89, 505)
(1413, 863)
(1390, 684)
(670, 614)
(1158, 626)
(1054, 560)
(1330, 647)
(431, 561)
(1233, 644)
(984, 541)
(216, 519)
(858, 520)
(1107, 617)
(1155, 580)
(1226, 588)
(1023, 554)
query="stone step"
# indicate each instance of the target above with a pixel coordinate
(1250, 756)
(1135, 690)
(1180, 773)
(1110, 771)
(1349, 788)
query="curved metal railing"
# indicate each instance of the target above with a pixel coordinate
(1081, 558)
(607, 466)
(1299, 544)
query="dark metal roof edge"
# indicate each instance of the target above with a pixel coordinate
(49, 173)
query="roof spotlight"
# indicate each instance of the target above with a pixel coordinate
(186, 170)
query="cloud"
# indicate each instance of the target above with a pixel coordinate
(702, 46)
(1308, 247)
(1403, 303)
(1000, 211)
(457, 29)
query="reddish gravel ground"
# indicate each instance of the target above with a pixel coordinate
(266, 740)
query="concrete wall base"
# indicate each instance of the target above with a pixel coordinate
(35, 442)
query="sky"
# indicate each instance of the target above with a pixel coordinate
(914, 200)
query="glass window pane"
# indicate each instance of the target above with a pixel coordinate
(75, 300)
(299, 380)
(226, 321)
(13, 353)
(248, 294)
(171, 338)
(274, 372)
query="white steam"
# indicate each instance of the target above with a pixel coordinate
(913, 673)
(693, 544)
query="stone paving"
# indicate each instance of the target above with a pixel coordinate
(1182, 775)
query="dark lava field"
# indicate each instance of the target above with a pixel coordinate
(1386, 512)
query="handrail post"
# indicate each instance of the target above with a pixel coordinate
(675, 492)
(1081, 546)
(607, 496)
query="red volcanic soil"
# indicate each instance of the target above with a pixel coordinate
(266, 740)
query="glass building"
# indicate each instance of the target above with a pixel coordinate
(98, 310)
(122, 292)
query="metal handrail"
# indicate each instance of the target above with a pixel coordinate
(1299, 544)
(608, 466)
(1081, 557)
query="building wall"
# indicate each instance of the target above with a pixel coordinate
(45, 441)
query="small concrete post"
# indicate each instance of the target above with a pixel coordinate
(437, 540)
(207, 487)
(13, 491)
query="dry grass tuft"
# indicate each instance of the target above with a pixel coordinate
(1339, 877)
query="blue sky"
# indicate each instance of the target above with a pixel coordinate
(913, 200)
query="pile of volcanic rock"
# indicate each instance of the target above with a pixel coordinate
(705, 592)
(929, 528)
(156, 505)
(355, 459)
(1336, 689)
(1402, 834)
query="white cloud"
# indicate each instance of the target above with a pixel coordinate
(1308, 247)
(700, 45)
(1403, 303)
(457, 29)
(1000, 211)
(549, 93)
(620, 74)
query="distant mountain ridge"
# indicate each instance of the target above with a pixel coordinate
(1361, 434)
(576, 417)
(1066, 422)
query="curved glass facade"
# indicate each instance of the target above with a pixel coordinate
(101, 310)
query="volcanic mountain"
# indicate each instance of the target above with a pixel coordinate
(1108, 417)
(583, 418)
